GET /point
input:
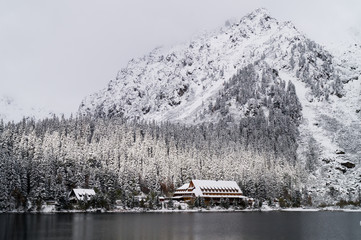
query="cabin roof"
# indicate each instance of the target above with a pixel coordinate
(80, 193)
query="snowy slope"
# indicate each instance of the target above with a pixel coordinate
(11, 110)
(172, 84)
(178, 85)
(336, 126)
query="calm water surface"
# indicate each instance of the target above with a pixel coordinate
(241, 225)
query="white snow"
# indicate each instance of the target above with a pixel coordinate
(215, 187)
(150, 88)
(334, 124)
(300, 210)
(310, 113)
(80, 193)
(48, 208)
(12, 110)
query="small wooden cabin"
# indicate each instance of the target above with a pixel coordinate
(80, 194)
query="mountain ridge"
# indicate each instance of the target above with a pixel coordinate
(256, 102)
(184, 84)
(188, 71)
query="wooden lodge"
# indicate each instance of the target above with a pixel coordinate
(209, 190)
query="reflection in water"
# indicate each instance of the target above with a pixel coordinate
(193, 226)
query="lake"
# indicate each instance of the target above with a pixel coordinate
(226, 225)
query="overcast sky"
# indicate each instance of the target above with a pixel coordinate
(53, 53)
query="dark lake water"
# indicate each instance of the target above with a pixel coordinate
(237, 225)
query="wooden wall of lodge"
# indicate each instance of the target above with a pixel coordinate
(207, 200)
(216, 194)
(208, 190)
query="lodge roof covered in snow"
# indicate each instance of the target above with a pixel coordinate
(81, 193)
(209, 189)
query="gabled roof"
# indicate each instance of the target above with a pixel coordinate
(182, 190)
(210, 188)
(183, 187)
(80, 193)
(215, 184)
(203, 186)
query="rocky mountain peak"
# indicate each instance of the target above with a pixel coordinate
(173, 84)
(259, 14)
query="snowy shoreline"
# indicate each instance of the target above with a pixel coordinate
(264, 210)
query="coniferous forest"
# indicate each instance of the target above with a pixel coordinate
(46, 159)
(120, 158)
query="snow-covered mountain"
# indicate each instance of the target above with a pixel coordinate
(171, 84)
(11, 110)
(184, 83)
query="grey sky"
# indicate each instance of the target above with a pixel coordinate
(53, 53)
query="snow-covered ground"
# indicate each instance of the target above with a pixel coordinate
(335, 126)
